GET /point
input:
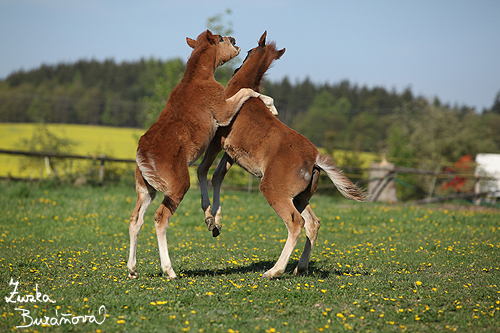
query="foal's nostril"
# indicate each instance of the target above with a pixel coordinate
(232, 40)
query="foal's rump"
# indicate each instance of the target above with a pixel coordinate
(147, 168)
(166, 176)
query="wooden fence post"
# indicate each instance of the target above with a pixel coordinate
(101, 170)
(47, 165)
(382, 186)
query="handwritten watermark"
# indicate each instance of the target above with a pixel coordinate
(58, 320)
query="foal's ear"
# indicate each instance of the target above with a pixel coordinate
(280, 53)
(212, 39)
(262, 40)
(191, 42)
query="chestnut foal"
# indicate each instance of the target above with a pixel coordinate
(287, 163)
(194, 110)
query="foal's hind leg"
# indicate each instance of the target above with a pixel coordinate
(294, 222)
(145, 195)
(162, 218)
(179, 185)
(312, 225)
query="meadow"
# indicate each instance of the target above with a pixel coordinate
(375, 268)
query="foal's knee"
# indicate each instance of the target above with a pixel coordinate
(296, 225)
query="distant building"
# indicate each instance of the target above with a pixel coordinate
(488, 165)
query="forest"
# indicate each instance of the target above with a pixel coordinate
(333, 116)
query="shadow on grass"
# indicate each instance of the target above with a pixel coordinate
(263, 266)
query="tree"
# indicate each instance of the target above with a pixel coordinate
(43, 140)
(173, 71)
(216, 25)
(281, 93)
(438, 133)
(40, 109)
(90, 107)
(325, 118)
(496, 104)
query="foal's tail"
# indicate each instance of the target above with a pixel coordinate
(343, 184)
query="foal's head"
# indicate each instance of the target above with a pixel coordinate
(225, 48)
(255, 65)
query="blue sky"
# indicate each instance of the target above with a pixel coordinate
(444, 48)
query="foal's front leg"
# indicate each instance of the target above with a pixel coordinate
(234, 103)
(208, 160)
(219, 174)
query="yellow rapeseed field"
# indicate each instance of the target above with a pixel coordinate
(89, 140)
(93, 141)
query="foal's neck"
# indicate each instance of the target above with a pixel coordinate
(201, 65)
(249, 75)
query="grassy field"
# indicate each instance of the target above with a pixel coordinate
(376, 268)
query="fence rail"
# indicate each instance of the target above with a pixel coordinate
(390, 175)
(71, 156)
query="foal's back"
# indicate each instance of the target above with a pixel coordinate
(256, 138)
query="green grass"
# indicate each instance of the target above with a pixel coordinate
(375, 268)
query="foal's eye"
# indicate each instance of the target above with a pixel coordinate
(221, 39)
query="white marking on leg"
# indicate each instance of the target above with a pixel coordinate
(166, 264)
(134, 230)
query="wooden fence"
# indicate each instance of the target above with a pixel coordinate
(48, 155)
(381, 182)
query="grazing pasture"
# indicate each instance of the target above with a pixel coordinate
(376, 268)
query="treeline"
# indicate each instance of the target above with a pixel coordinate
(333, 116)
(347, 116)
(85, 92)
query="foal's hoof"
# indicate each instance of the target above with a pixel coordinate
(133, 275)
(299, 271)
(216, 232)
(214, 227)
